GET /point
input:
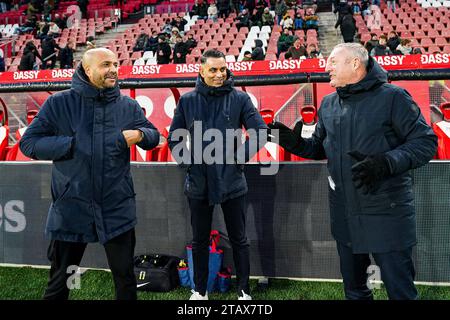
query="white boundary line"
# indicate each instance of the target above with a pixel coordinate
(434, 284)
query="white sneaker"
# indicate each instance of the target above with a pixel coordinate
(197, 296)
(244, 296)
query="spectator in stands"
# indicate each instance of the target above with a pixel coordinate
(258, 51)
(313, 52)
(167, 28)
(47, 10)
(28, 26)
(299, 23)
(311, 20)
(393, 42)
(28, 60)
(370, 154)
(297, 50)
(66, 56)
(191, 43)
(374, 20)
(280, 10)
(212, 12)
(285, 41)
(152, 43)
(404, 47)
(267, 19)
(287, 22)
(203, 10)
(179, 23)
(348, 27)
(195, 9)
(140, 43)
(83, 7)
(376, 2)
(243, 20)
(287, 56)
(180, 50)
(173, 37)
(250, 6)
(54, 29)
(164, 51)
(365, 7)
(43, 29)
(372, 43)
(61, 22)
(257, 16)
(92, 187)
(247, 56)
(223, 181)
(342, 9)
(391, 5)
(236, 6)
(49, 47)
(2, 61)
(224, 8)
(381, 49)
(356, 8)
(32, 9)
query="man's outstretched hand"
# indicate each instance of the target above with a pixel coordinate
(291, 140)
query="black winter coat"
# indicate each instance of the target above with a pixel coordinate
(372, 117)
(215, 108)
(80, 129)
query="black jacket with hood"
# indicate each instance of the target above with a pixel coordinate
(80, 130)
(372, 117)
(221, 108)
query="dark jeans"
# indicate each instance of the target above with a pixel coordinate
(119, 252)
(201, 218)
(397, 273)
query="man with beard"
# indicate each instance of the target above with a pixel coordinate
(87, 132)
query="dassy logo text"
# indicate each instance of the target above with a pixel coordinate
(12, 218)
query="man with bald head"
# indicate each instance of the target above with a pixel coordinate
(87, 132)
(373, 134)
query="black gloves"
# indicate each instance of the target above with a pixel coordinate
(369, 170)
(291, 140)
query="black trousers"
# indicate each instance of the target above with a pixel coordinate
(396, 268)
(119, 252)
(201, 218)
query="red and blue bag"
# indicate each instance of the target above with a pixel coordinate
(215, 262)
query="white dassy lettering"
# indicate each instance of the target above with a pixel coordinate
(390, 60)
(435, 58)
(25, 75)
(150, 69)
(12, 216)
(62, 73)
(240, 66)
(188, 68)
(285, 64)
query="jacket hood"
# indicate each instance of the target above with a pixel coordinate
(206, 90)
(81, 84)
(375, 77)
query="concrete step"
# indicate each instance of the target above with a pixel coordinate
(102, 39)
(328, 35)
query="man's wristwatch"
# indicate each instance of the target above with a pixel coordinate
(142, 135)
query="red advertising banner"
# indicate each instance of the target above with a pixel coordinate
(243, 68)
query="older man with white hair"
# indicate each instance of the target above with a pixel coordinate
(373, 134)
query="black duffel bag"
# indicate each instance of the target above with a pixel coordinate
(156, 272)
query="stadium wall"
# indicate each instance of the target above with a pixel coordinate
(288, 218)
